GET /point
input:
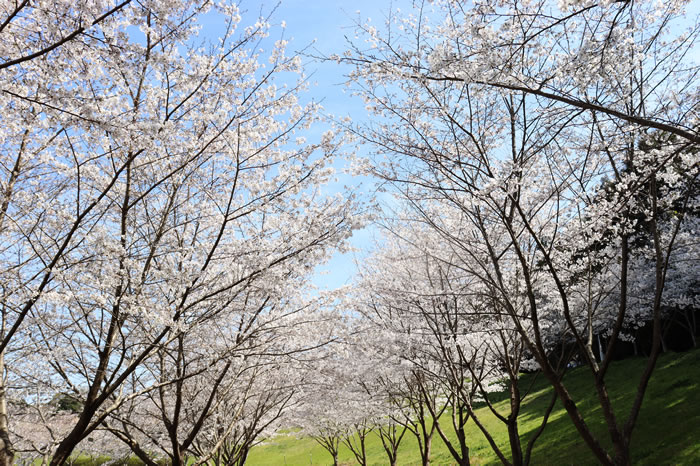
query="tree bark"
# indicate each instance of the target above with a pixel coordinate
(7, 451)
(425, 454)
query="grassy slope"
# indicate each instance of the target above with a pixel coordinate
(668, 428)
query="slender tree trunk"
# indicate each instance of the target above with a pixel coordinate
(664, 334)
(7, 452)
(390, 441)
(425, 450)
(464, 461)
(65, 448)
(514, 439)
(692, 338)
(178, 458)
(516, 447)
(243, 456)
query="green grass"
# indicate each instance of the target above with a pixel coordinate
(667, 432)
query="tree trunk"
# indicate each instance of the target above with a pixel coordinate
(664, 349)
(178, 456)
(68, 444)
(693, 339)
(65, 448)
(464, 460)
(515, 446)
(425, 454)
(690, 320)
(243, 456)
(7, 452)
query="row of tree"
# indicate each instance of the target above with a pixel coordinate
(160, 217)
(545, 161)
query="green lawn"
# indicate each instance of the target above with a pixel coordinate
(668, 428)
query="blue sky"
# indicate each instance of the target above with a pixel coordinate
(319, 28)
(324, 24)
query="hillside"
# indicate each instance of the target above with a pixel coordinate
(668, 430)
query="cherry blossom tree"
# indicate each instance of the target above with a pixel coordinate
(503, 120)
(156, 179)
(47, 48)
(341, 404)
(458, 349)
(323, 416)
(399, 378)
(218, 388)
(391, 433)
